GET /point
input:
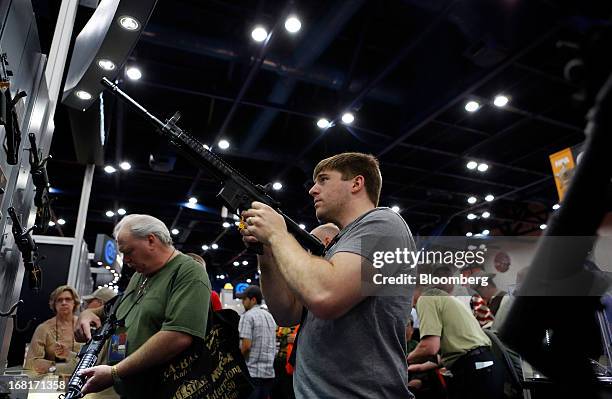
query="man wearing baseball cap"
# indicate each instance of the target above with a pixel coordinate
(98, 298)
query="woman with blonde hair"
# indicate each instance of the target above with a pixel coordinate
(53, 345)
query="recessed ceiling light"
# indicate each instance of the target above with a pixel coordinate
(51, 223)
(293, 24)
(110, 214)
(83, 95)
(245, 262)
(472, 200)
(105, 64)
(125, 165)
(489, 198)
(468, 234)
(259, 34)
(129, 23)
(133, 73)
(500, 100)
(224, 144)
(486, 214)
(485, 232)
(472, 165)
(248, 280)
(277, 186)
(302, 226)
(215, 246)
(226, 224)
(348, 118)
(236, 263)
(472, 106)
(175, 232)
(109, 169)
(121, 211)
(543, 226)
(471, 216)
(483, 167)
(395, 208)
(556, 206)
(193, 200)
(61, 221)
(205, 247)
(323, 123)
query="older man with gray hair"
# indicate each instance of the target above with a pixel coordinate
(165, 308)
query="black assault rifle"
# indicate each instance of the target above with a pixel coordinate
(237, 191)
(8, 114)
(29, 251)
(40, 178)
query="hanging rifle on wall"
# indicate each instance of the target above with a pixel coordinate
(29, 251)
(8, 114)
(40, 178)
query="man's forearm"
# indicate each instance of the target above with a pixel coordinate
(282, 303)
(420, 354)
(160, 348)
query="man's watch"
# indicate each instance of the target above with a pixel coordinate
(115, 375)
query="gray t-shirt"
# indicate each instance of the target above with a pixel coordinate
(361, 354)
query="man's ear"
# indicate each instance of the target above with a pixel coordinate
(358, 183)
(151, 239)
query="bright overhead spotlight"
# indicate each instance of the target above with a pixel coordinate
(105, 64)
(215, 246)
(472, 165)
(469, 234)
(302, 226)
(237, 224)
(485, 232)
(277, 186)
(471, 216)
(472, 106)
(293, 24)
(323, 123)
(236, 263)
(224, 144)
(61, 221)
(205, 247)
(129, 23)
(483, 167)
(248, 280)
(110, 214)
(51, 223)
(556, 206)
(226, 224)
(222, 277)
(193, 200)
(133, 73)
(121, 211)
(245, 262)
(174, 232)
(83, 95)
(472, 200)
(109, 169)
(489, 198)
(125, 165)
(543, 226)
(348, 118)
(107, 267)
(259, 34)
(395, 208)
(500, 101)
(486, 214)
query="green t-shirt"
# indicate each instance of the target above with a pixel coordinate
(176, 298)
(444, 316)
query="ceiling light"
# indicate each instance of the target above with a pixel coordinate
(489, 198)
(110, 214)
(193, 200)
(107, 267)
(486, 214)
(500, 101)
(109, 169)
(237, 223)
(472, 200)
(543, 226)
(222, 277)
(236, 263)
(472, 106)
(348, 118)
(51, 223)
(226, 224)
(83, 95)
(395, 208)
(105, 64)
(471, 165)
(61, 221)
(248, 280)
(483, 167)
(224, 144)
(277, 186)
(471, 216)
(125, 165)
(556, 206)
(485, 232)
(175, 232)
(100, 263)
(245, 262)
(121, 211)
(323, 123)
(205, 247)
(302, 226)
(129, 23)
(215, 246)
(293, 24)
(468, 234)
(133, 73)
(259, 34)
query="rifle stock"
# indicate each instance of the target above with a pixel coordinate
(29, 251)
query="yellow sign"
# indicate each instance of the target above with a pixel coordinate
(562, 163)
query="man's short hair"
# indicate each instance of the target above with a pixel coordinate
(140, 226)
(351, 164)
(252, 291)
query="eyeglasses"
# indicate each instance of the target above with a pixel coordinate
(59, 300)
